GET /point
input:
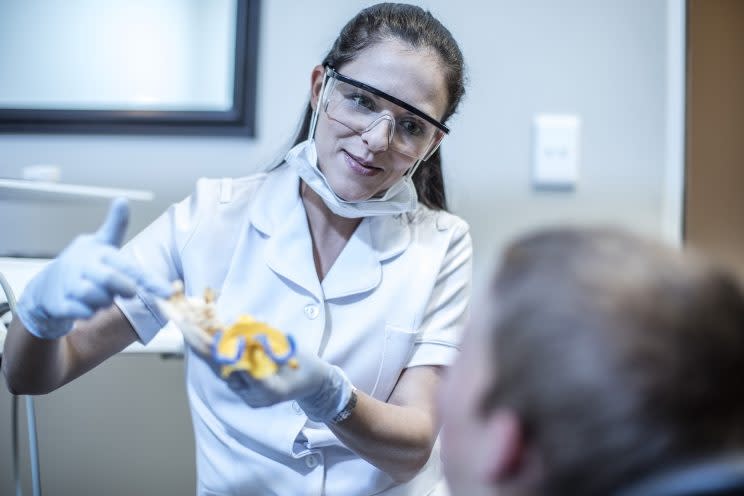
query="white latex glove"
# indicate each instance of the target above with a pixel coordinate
(192, 316)
(322, 390)
(84, 278)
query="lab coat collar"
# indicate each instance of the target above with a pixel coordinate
(390, 234)
(279, 213)
(357, 268)
(276, 197)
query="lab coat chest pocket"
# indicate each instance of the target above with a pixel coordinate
(397, 350)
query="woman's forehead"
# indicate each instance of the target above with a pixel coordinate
(413, 75)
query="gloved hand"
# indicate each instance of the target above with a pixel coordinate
(322, 390)
(84, 278)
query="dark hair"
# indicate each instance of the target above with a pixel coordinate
(419, 28)
(621, 357)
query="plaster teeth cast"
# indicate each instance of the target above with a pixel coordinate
(248, 345)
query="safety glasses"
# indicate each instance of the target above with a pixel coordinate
(361, 108)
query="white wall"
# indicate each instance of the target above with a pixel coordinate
(601, 60)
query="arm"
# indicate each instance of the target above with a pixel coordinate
(33, 365)
(65, 322)
(396, 437)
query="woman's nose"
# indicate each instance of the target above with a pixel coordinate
(377, 136)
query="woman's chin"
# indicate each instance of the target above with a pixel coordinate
(351, 194)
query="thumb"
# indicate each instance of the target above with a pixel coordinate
(114, 227)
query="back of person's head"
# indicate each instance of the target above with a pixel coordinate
(619, 357)
(421, 30)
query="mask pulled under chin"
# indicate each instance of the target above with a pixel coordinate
(399, 198)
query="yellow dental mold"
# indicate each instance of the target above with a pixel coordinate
(239, 347)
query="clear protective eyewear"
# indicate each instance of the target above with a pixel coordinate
(361, 107)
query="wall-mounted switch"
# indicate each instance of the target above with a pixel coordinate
(556, 151)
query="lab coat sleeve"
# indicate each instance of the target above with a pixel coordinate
(157, 250)
(446, 311)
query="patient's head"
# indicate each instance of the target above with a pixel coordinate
(595, 359)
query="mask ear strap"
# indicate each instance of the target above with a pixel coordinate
(321, 100)
(412, 170)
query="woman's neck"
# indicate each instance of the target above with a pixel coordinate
(329, 232)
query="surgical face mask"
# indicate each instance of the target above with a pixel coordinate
(399, 198)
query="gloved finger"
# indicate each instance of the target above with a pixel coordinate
(89, 294)
(113, 281)
(234, 382)
(258, 400)
(151, 283)
(114, 227)
(155, 285)
(72, 309)
(252, 391)
(238, 381)
(276, 384)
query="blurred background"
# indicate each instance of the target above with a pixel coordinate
(575, 112)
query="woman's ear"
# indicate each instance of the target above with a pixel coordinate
(316, 83)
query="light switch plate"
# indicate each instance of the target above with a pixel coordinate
(556, 151)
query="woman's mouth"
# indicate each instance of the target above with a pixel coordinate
(360, 167)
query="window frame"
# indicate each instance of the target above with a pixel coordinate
(239, 120)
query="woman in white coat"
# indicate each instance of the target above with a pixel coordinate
(346, 245)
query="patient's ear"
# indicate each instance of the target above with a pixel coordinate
(504, 448)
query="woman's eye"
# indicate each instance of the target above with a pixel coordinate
(413, 128)
(360, 100)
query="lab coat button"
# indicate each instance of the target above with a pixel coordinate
(311, 461)
(297, 409)
(312, 311)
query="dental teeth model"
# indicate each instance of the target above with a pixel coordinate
(247, 344)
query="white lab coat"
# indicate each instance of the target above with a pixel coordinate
(396, 297)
